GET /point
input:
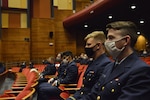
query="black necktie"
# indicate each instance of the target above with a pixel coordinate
(114, 67)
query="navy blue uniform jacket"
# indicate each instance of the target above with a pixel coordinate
(68, 73)
(92, 75)
(129, 81)
(50, 69)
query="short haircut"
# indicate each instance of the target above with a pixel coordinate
(51, 58)
(97, 35)
(68, 53)
(127, 28)
(61, 54)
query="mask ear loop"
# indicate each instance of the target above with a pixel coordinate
(127, 38)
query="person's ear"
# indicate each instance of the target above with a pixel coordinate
(127, 40)
(99, 44)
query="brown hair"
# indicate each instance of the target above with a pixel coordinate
(127, 28)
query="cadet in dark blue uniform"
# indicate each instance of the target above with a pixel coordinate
(129, 77)
(67, 73)
(50, 69)
(94, 48)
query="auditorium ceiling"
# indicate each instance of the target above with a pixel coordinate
(133, 10)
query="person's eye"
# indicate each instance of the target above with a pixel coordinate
(110, 38)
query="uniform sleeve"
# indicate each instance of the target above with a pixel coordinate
(138, 86)
(71, 74)
(49, 70)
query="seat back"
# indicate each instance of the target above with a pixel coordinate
(15, 69)
(66, 94)
(80, 79)
(26, 94)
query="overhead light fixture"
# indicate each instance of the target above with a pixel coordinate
(141, 21)
(133, 7)
(110, 16)
(138, 33)
(85, 25)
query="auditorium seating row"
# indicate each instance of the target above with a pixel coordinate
(146, 59)
(23, 87)
(25, 82)
(69, 89)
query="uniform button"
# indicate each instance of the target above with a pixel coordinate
(82, 85)
(118, 83)
(89, 79)
(112, 90)
(83, 77)
(98, 97)
(117, 79)
(81, 93)
(111, 82)
(103, 88)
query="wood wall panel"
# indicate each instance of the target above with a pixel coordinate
(23, 21)
(41, 9)
(36, 8)
(14, 20)
(80, 43)
(15, 48)
(40, 39)
(65, 4)
(5, 20)
(24, 4)
(15, 34)
(4, 3)
(14, 3)
(44, 9)
(63, 39)
(55, 3)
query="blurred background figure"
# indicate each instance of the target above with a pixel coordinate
(50, 69)
(2, 68)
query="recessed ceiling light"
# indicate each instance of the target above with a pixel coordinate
(85, 25)
(133, 7)
(138, 32)
(141, 21)
(110, 16)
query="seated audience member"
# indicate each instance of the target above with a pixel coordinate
(59, 57)
(2, 68)
(50, 68)
(128, 78)
(85, 60)
(95, 49)
(58, 60)
(67, 73)
(31, 65)
(23, 65)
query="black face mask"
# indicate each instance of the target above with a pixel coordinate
(89, 51)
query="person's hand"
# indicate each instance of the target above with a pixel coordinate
(41, 75)
(50, 80)
(55, 83)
